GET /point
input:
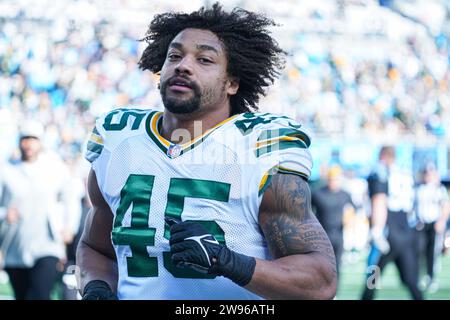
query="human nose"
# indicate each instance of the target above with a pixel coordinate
(184, 66)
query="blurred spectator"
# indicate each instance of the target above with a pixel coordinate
(392, 195)
(356, 224)
(344, 76)
(432, 210)
(40, 216)
(329, 203)
(69, 281)
(354, 70)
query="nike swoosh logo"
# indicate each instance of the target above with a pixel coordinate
(211, 241)
(198, 240)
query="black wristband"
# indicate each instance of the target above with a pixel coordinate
(237, 267)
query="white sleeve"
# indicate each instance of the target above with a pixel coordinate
(95, 144)
(283, 147)
(111, 129)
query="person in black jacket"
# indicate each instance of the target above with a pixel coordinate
(329, 203)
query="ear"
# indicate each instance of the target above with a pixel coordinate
(233, 86)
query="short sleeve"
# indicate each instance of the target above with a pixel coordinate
(95, 144)
(377, 183)
(112, 128)
(283, 147)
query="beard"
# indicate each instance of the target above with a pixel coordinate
(181, 106)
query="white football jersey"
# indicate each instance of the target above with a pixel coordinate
(216, 179)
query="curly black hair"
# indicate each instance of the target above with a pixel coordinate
(254, 57)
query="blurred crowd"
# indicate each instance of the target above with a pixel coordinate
(358, 77)
(347, 74)
(354, 69)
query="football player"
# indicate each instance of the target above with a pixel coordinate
(206, 200)
(391, 190)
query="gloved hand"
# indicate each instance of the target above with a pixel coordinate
(98, 290)
(192, 246)
(379, 240)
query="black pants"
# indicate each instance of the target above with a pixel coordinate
(34, 283)
(427, 242)
(337, 241)
(403, 245)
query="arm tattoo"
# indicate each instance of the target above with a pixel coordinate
(287, 220)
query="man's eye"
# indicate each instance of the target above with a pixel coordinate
(204, 60)
(173, 56)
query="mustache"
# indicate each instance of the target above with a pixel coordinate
(179, 79)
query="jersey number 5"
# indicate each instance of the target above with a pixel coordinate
(136, 194)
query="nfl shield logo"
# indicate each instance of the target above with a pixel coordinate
(174, 151)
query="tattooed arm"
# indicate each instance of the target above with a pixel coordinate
(304, 265)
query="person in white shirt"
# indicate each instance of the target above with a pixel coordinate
(37, 218)
(432, 209)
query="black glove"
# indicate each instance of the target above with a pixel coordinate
(98, 290)
(192, 246)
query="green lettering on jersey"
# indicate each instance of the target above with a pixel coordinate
(193, 188)
(109, 126)
(250, 121)
(136, 192)
(180, 189)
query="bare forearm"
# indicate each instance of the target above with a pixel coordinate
(379, 210)
(96, 266)
(303, 276)
(441, 223)
(445, 211)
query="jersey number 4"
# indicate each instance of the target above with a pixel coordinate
(136, 194)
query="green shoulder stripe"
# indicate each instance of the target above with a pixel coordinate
(280, 145)
(94, 147)
(290, 132)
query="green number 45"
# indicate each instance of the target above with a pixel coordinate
(137, 193)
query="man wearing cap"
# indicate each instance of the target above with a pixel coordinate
(37, 217)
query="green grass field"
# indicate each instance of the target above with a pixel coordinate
(353, 280)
